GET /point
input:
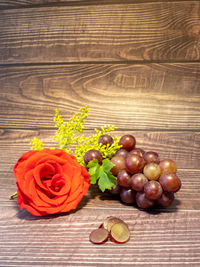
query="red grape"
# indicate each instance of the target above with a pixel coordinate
(137, 151)
(151, 156)
(122, 152)
(134, 163)
(170, 182)
(153, 190)
(115, 190)
(128, 142)
(138, 181)
(99, 236)
(142, 201)
(123, 178)
(105, 139)
(152, 171)
(168, 165)
(166, 199)
(119, 164)
(127, 195)
(92, 154)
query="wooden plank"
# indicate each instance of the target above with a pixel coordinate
(31, 3)
(162, 239)
(120, 32)
(182, 147)
(136, 96)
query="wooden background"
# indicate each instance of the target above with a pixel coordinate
(136, 64)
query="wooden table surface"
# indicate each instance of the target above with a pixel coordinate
(136, 64)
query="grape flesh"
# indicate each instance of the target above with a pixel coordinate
(99, 236)
(138, 181)
(134, 163)
(119, 164)
(170, 182)
(128, 142)
(123, 178)
(105, 140)
(127, 195)
(153, 190)
(152, 171)
(93, 154)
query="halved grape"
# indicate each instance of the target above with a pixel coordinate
(153, 190)
(170, 182)
(99, 236)
(120, 233)
(152, 171)
(168, 165)
(127, 141)
(110, 221)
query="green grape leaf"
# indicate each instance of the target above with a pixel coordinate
(93, 169)
(106, 180)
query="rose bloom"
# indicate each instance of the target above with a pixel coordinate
(50, 181)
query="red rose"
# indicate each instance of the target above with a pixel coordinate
(50, 181)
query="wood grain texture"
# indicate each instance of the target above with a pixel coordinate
(183, 147)
(135, 96)
(157, 239)
(149, 31)
(35, 3)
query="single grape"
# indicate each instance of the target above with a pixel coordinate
(153, 190)
(115, 190)
(152, 171)
(127, 195)
(120, 233)
(122, 152)
(166, 199)
(142, 201)
(123, 178)
(151, 156)
(170, 182)
(110, 221)
(119, 164)
(99, 236)
(137, 151)
(127, 141)
(92, 154)
(168, 165)
(134, 163)
(105, 139)
(138, 181)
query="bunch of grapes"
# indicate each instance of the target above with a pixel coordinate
(142, 178)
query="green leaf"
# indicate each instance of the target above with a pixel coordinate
(104, 180)
(107, 165)
(93, 170)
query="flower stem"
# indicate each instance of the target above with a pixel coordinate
(13, 195)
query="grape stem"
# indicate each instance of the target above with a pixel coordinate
(14, 195)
